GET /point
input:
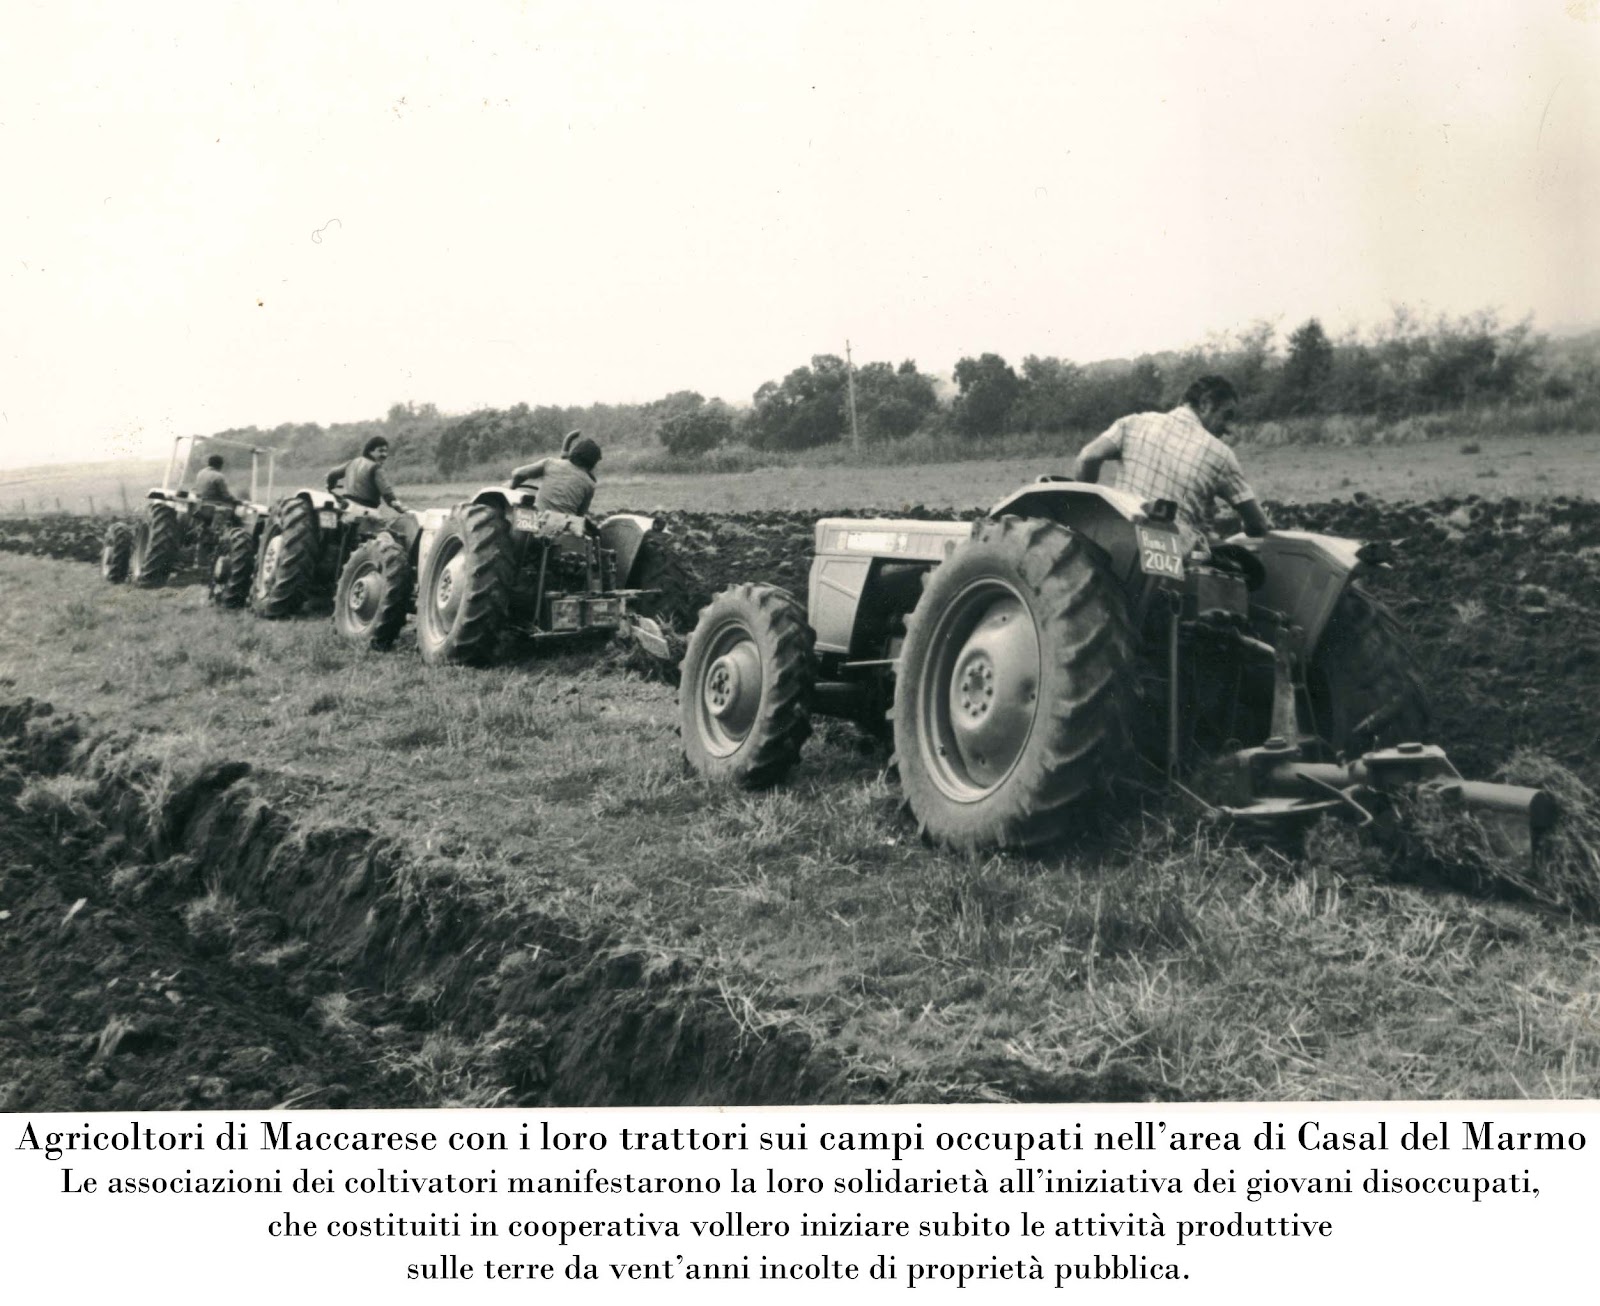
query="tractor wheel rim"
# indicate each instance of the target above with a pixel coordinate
(730, 691)
(979, 693)
(364, 596)
(269, 560)
(447, 590)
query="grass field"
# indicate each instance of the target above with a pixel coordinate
(1163, 960)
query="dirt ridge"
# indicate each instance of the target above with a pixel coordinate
(560, 1018)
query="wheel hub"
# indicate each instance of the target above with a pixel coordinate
(730, 694)
(444, 594)
(980, 703)
(363, 597)
(269, 559)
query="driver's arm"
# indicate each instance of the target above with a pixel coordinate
(1101, 449)
(1254, 519)
(335, 476)
(386, 491)
(528, 472)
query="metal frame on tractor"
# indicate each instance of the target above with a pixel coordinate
(218, 535)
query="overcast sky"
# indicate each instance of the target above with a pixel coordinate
(224, 214)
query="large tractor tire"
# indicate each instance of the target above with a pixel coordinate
(157, 541)
(1014, 700)
(464, 590)
(680, 594)
(744, 695)
(1365, 690)
(116, 552)
(233, 569)
(374, 594)
(286, 571)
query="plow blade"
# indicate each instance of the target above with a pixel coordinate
(1272, 784)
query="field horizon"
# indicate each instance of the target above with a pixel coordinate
(1523, 466)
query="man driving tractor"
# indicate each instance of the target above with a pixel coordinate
(365, 481)
(566, 484)
(210, 485)
(1179, 455)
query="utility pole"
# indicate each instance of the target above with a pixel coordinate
(850, 390)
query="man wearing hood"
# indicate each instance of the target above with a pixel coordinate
(566, 484)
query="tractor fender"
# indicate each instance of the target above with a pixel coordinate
(504, 497)
(318, 499)
(624, 534)
(1306, 575)
(1101, 514)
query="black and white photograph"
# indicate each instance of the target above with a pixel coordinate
(593, 555)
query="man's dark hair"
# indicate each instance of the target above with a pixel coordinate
(214, 461)
(585, 454)
(377, 442)
(1210, 389)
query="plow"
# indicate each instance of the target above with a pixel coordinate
(1026, 665)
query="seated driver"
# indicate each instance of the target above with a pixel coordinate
(1179, 456)
(210, 485)
(565, 484)
(365, 481)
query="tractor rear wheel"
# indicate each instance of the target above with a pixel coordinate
(1014, 699)
(156, 543)
(287, 568)
(374, 594)
(744, 695)
(464, 590)
(680, 595)
(233, 568)
(116, 551)
(1365, 690)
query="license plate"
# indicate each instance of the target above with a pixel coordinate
(1160, 552)
(524, 519)
(330, 519)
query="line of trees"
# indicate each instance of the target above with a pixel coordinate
(1404, 368)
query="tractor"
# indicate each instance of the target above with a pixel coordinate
(1027, 662)
(499, 565)
(179, 529)
(306, 541)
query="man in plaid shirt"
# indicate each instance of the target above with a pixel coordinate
(1179, 456)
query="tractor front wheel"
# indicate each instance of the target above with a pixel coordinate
(156, 542)
(1014, 699)
(287, 568)
(1364, 686)
(744, 695)
(233, 568)
(374, 594)
(116, 551)
(464, 590)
